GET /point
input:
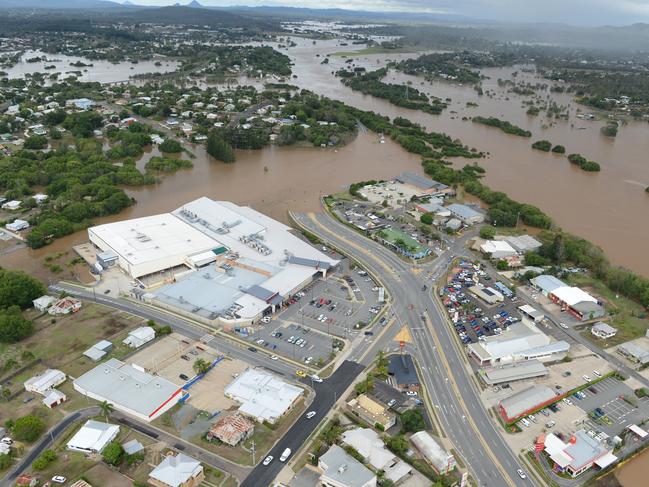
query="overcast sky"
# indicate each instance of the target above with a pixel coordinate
(593, 12)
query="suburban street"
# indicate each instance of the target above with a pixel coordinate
(451, 390)
(45, 441)
(327, 393)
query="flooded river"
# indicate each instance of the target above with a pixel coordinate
(608, 208)
(634, 472)
(100, 71)
(273, 180)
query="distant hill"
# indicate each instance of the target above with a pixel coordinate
(195, 4)
(194, 15)
(294, 13)
(59, 4)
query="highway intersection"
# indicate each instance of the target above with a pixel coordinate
(453, 400)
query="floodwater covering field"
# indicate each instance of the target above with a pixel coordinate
(608, 208)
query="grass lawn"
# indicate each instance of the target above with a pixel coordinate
(71, 464)
(393, 236)
(627, 316)
(60, 341)
(264, 436)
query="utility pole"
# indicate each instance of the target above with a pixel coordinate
(253, 452)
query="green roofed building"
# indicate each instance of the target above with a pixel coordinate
(402, 243)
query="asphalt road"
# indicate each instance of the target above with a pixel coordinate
(186, 328)
(327, 393)
(454, 397)
(45, 441)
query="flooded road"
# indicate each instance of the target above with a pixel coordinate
(608, 208)
(634, 472)
(273, 180)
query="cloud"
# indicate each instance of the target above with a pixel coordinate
(565, 11)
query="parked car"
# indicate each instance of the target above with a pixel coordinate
(268, 459)
(300, 373)
(59, 479)
(550, 424)
(183, 377)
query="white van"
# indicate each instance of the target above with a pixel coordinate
(285, 454)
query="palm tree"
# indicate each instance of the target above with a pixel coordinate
(106, 408)
(381, 359)
(201, 366)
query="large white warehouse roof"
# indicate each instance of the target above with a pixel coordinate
(163, 241)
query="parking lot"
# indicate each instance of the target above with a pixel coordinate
(373, 217)
(576, 412)
(320, 318)
(340, 305)
(608, 396)
(172, 357)
(292, 341)
(473, 317)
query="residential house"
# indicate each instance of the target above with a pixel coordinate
(372, 412)
(138, 337)
(42, 383)
(231, 429)
(339, 469)
(371, 447)
(17, 225)
(177, 471)
(44, 302)
(65, 306)
(603, 330)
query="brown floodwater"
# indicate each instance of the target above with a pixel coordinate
(273, 180)
(634, 472)
(607, 208)
(100, 71)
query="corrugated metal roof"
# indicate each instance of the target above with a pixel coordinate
(525, 400)
(317, 264)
